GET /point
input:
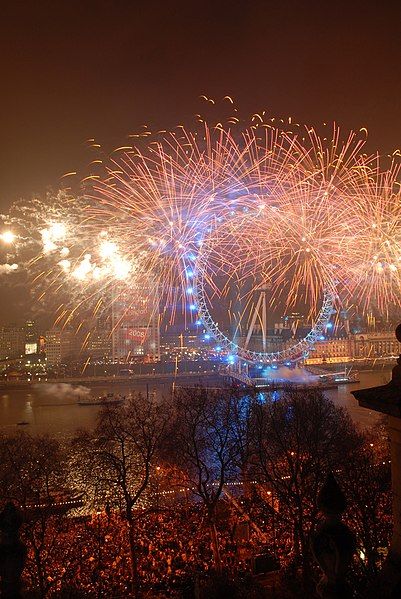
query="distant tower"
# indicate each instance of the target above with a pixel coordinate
(135, 323)
(31, 337)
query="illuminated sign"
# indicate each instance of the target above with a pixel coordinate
(31, 348)
(136, 334)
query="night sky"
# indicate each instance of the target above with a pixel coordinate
(73, 70)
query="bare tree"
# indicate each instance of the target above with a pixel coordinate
(367, 481)
(205, 446)
(121, 456)
(298, 440)
(32, 473)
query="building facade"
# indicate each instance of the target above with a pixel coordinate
(12, 342)
(375, 345)
(135, 324)
(60, 346)
(99, 344)
(31, 337)
(362, 346)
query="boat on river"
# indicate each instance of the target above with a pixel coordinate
(102, 400)
(344, 377)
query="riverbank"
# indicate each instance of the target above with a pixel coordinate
(52, 408)
(110, 380)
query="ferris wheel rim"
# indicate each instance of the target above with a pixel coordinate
(295, 353)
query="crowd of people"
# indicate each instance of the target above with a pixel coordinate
(151, 519)
(173, 550)
(90, 554)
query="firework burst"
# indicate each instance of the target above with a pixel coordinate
(268, 205)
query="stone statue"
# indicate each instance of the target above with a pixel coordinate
(333, 544)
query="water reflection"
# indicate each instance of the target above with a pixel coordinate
(48, 411)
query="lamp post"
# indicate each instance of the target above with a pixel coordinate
(386, 399)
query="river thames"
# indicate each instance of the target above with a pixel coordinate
(53, 409)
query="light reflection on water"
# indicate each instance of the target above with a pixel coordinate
(61, 415)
